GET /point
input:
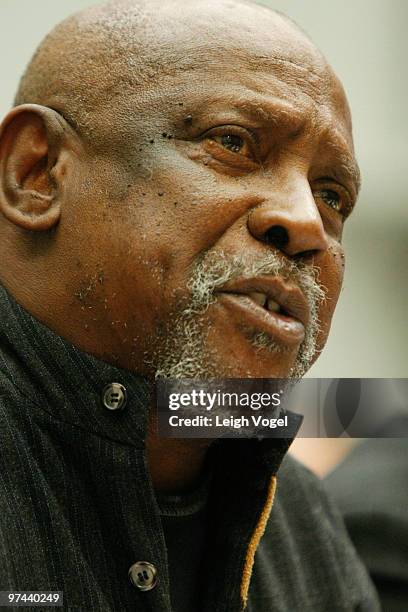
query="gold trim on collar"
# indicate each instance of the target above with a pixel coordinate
(254, 542)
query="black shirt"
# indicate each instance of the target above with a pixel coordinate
(184, 521)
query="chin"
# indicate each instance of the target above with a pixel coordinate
(210, 348)
(248, 357)
(235, 349)
(263, 367)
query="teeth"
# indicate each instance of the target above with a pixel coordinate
(259, 298)
(273, 306)
(262, 300)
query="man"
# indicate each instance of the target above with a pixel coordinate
(174, 183)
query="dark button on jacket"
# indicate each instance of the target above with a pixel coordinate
(77, 509)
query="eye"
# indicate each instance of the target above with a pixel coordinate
(331, 198)
(337, 199)
(232, 142)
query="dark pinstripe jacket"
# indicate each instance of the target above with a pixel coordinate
(77, 508)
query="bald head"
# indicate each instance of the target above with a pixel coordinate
(112, 51)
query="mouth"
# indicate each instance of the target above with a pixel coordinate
(268, 304)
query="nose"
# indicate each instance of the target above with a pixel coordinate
(290, 222)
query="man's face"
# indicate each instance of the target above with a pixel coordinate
(210, 239)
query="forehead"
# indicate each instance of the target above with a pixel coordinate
(214, 57)
(214, 50)
(221, 36)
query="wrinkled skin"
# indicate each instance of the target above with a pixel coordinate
(100, 237)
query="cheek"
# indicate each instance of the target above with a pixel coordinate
(331, 277)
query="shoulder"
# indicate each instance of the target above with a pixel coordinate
(305, 545)
(370, 489)
(295, 477)
(303, 504)
(299, 491)
(20, 432)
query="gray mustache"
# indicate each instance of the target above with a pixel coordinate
(216, 269)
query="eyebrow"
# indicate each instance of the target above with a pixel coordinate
(346, 167)
(271, 110)
(276, 111)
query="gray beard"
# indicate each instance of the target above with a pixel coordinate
(184, 353)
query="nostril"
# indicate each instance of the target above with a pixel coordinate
(277, 236)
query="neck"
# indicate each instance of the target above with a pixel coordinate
(175, 465)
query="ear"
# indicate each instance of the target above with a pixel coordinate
(33, 145)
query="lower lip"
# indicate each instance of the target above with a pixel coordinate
(283, 329)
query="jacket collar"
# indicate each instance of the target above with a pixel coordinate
(66, 382)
